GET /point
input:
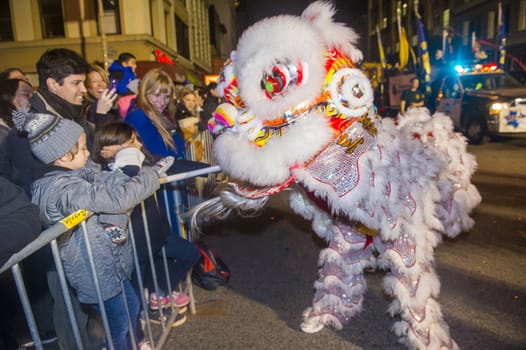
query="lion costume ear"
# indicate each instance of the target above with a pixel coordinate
(336, 35)
(319, 13)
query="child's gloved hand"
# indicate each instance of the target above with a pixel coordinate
(128, 156)
(162, 165)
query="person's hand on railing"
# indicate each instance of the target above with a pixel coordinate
(162, 165)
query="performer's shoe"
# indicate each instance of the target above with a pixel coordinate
(311, 325)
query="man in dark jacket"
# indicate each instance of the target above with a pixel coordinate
(19, 225)
(19, 219)
(61, 76)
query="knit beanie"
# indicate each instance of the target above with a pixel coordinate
(50, 137)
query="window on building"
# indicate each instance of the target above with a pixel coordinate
(522, 15)
(6, 30)
(465, 33)
(491, 24)
(51, 18)
(183, 43)
(112, 17)
(213, 19)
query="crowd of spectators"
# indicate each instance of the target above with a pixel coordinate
(71, 144)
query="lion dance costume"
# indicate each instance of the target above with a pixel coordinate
(299, 116)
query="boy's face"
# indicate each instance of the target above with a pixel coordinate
(77, 160)
(132, 62)
(71, 90)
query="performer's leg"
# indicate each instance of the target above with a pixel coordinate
(341, 284)
(415, 286)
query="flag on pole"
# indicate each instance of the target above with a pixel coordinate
(502, 38)
(445, 45)
(424, 53)
(383, 62)
(403, 45)
(447, 49)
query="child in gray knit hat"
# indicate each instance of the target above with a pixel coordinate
(71, 183)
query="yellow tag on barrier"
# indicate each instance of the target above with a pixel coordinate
(75, 218)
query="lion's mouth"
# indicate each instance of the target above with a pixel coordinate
(278, 126)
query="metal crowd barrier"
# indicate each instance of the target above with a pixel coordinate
(201, 186)
(50, 236)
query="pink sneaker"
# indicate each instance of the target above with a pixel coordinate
(180, 299)
(165, 302)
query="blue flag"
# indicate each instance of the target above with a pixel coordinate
(502, 38)
(424, 53)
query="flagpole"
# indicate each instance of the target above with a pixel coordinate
(381, 51)
(403, 44)
(502, 39)
(423, 50)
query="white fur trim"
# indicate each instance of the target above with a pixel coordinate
(269, 165)
(279, 40)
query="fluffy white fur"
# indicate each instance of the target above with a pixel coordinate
(270, 165)
(287, 40)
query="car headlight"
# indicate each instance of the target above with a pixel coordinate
(496, 107)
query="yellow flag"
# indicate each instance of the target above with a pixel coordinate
(404, 50)
(383, 62)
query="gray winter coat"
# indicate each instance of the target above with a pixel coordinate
(61, 192)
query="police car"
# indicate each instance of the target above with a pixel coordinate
(483, 101)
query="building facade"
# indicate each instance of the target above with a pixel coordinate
(178, 30)
(463, 21)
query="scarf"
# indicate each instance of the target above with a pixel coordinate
(63, 108)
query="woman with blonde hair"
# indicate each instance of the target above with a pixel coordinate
(99, 100)
(152, 114)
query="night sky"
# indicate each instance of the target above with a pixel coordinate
(351, 12)
(347, 10)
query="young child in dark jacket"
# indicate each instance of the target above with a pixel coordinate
(72, 183)
(182, 254)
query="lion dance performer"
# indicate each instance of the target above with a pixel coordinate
(300, 116)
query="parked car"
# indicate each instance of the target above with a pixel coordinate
(483, 102)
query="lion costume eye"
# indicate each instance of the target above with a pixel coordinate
(280, 78)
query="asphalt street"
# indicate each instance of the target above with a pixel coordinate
(273, 264)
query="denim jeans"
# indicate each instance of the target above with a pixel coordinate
(118, 317)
